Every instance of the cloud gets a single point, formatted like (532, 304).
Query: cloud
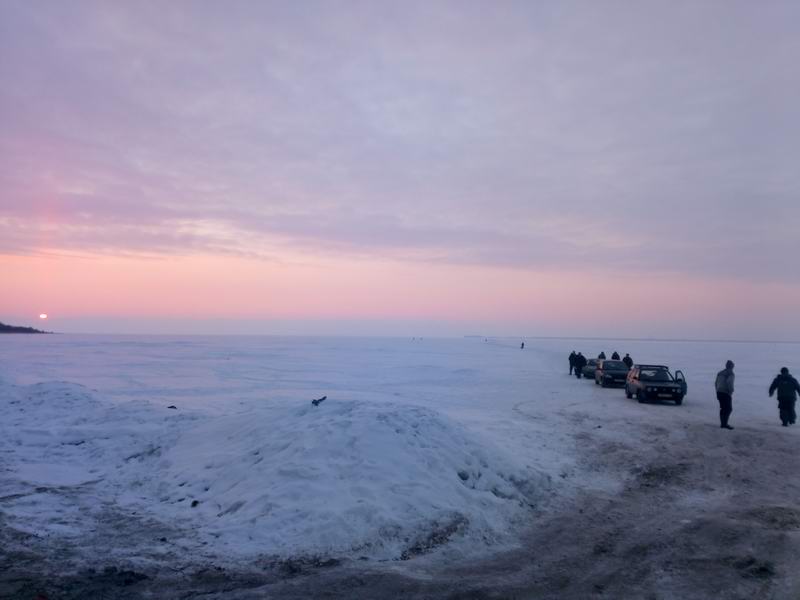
(559, 135)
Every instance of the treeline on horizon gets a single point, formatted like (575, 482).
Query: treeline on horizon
(16, 329)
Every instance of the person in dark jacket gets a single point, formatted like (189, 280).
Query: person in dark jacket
(580, 362)
(787, 388)
(572, 356)
(628, 361)
(724, 386)
(615, 356)
(601, 356)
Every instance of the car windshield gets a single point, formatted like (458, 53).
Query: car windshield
(614, 365)
(655, 375)
(592, 362)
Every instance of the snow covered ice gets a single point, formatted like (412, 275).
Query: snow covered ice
(448, 449)
(351, 477)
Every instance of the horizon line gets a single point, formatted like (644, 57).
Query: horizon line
(454, 336)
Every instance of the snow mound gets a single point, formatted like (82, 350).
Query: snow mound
(47, 420)
(385, 481)
(59, 434)
(340, 479)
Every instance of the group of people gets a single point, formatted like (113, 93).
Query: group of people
(784, 384)
(577, 361)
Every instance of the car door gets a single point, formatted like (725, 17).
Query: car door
(629, 383)
(681, 379)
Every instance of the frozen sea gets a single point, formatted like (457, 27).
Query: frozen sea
(472, 379)
(448, 448)
(480, 382)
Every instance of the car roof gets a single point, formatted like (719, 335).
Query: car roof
(650, 367)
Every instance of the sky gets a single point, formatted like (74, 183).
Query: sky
(401, 168)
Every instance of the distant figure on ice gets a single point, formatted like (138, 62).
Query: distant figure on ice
(602, 355)
(572, 356)
(580, 362)
(522, 346)
(788, 388)
(724, 387)
(615, 356)
(628, 361)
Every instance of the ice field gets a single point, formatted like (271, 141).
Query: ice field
(445, 448)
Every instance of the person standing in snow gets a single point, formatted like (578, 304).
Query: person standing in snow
(724, 387)
(615, 356)
(572, 356)
(628, 361)
(522, 346)
(580, 362)
(601, 356)
(787, 388)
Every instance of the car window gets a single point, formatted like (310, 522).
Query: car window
(592, 362)
(614, 364)
(655, 375)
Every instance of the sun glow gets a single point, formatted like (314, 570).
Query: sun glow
(43, 316)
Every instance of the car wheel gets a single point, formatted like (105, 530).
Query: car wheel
(640, 396)
(678, 401)
(604, 383)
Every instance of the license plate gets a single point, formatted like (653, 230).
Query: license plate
(665, 395)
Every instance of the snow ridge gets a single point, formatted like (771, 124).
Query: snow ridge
(345, 478)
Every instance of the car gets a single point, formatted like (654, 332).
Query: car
(588, 370)
(610, 372)
(655, 382)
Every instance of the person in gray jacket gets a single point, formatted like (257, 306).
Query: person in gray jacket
(724, 387)
(788, 388)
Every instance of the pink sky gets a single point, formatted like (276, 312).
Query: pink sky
(443, 168)
(125, 294)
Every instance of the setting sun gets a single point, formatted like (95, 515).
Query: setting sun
(43, 316)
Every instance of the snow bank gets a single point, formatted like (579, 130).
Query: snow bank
(343, 478)
(64, 454)
(60, 433)
(55, 432)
